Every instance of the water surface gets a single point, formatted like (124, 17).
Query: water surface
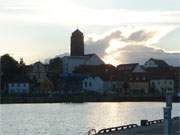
(75, 119)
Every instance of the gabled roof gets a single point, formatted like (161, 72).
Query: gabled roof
(158, 73)
(160, 63)
(127, 67)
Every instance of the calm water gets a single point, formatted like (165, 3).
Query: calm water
(75, 119)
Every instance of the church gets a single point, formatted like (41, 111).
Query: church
(77, 56)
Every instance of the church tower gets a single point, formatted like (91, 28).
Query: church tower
(77, 43)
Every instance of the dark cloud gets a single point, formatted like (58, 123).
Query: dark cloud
(140, 54)
(131, 53)
(141, 35)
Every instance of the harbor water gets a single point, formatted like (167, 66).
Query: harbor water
(75, 119)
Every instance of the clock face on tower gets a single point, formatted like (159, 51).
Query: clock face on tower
(77, 43)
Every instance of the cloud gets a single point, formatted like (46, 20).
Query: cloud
(132, 45)
(141, 36)
(68, 12)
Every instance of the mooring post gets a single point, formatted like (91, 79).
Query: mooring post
(167, 114)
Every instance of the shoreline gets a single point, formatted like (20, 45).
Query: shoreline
(74, 99)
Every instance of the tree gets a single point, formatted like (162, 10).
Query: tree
(9, 65)
(9, 69)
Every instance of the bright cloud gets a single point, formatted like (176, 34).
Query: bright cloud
(67, 12)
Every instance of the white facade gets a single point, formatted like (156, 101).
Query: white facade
(18, 88)
(93, 84)
(72, 62)
(99, 85)
(162, 85)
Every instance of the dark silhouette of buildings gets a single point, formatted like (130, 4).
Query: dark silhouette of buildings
(77, 43)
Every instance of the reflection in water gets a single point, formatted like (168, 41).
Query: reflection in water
(76, 119)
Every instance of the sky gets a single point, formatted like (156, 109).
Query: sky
(119, 31)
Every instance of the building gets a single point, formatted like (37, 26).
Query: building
(19, 86)
(71, 83)
(96, 69)
(100, 84)
(155, 63)
(93, 84)
(38, 71)
(133, 79)
(70, 63)
(161, 79)
(77, 43)
(130, 68)
(139, 83)
(177, 79)
(77, 57)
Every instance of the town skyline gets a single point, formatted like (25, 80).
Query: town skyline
(118, 33)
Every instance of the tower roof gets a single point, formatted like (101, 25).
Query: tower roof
(77, 32)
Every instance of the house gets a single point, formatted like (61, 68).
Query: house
(102, 83)
(19, 86)
(38, 71)
(161, 79)
(154, 63)
(177, 79)
(130, 68)
(70, 63)
(133, 79)
(71, 83)
(93, 84)
(138, 83)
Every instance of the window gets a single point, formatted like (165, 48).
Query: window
(114, 86)
(165, 82)
(90, 84)
(170, 82)
(12, 85)
(85, 84)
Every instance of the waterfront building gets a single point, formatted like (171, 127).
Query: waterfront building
(71, 83)
(134, 77)
(130, 68)
(77, 57)
(38, 71)
(19, 86)
(70, 63)
(100, 84)
(161, 79)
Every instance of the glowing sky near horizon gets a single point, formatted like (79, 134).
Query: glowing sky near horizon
(40, 29)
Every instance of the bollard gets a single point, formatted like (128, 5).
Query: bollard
(144, 122)
(167, 113)
(167, 120)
